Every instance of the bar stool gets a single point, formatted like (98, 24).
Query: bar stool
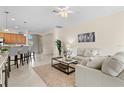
(25, 54)
(13, 57)
(20, 55)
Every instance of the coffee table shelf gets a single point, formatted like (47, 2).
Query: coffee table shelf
(63, 65)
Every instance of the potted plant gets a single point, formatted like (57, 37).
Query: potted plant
(59, 46)
(4, 50)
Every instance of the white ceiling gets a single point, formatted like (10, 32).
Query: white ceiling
(41, 18)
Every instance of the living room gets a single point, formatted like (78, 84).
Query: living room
(61, 46)
(107, 26)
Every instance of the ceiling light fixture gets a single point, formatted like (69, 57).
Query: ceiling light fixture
(63, 11)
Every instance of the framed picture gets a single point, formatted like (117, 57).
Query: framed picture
(86, 37)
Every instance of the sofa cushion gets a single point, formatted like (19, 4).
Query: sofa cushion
(113, 65)
(96, 62)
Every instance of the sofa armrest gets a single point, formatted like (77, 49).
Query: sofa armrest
(83, 75)
(88, 77)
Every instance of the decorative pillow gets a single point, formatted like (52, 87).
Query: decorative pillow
(113, 65)
(120, 53)
(94, 52)
(121, 75)
(90, 52)
(79, 58)
(82, 60)
(96, 62)
(87, 52)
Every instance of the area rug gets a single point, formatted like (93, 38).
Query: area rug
(53, 77)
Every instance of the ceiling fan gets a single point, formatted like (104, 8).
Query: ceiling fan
(62, 11)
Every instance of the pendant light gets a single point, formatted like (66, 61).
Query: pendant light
(6, 24)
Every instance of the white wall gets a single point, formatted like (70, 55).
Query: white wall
(48, 43)
(37, 43)
(109, 32)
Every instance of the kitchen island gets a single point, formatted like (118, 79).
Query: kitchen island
(3, 69)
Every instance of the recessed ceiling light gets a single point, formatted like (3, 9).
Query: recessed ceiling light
(58, 26)
(25, 22)
(13, 19)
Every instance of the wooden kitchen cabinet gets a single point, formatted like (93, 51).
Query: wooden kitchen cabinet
(7, 38)
(21, 39)
(18, 39)
(10, 38)
(1, 34)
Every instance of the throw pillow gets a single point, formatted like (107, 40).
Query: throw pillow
(96, 62)
(120, 53)
(113, 66)
(82, 60)
(90, 52)
(121, 75)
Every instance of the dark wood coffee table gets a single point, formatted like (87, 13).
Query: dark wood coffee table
(66, 66)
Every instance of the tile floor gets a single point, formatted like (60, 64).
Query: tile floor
(25, 76)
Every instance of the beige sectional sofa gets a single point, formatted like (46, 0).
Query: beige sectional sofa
(94, 70)
(89, 77)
